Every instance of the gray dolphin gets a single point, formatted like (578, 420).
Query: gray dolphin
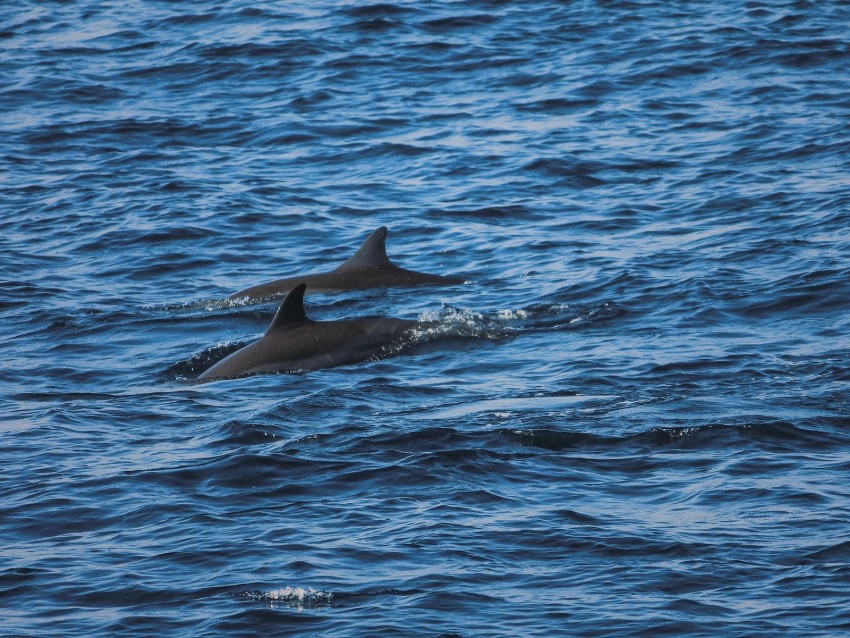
(369, 267)
(294, 343)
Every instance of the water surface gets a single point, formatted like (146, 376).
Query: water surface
(640, 425)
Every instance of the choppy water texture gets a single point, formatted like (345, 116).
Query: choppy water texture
(640, 424)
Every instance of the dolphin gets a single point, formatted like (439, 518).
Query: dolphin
(369, 267)
(293, 342)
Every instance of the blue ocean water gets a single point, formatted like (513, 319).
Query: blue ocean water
(641, 426)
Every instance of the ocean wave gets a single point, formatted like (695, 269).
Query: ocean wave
(295, 597)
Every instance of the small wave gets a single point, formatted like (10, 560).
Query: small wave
(507, 322)
(838, 554)
(771, 436)
(510, 406)
(377, 10)
(209, 305)
(297, 597)
(506, 212)
(441, 25)
(450, 321)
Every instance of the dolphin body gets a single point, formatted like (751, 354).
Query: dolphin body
(369, 267)
(295, 343)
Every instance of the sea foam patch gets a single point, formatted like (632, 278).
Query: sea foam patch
(297, 597)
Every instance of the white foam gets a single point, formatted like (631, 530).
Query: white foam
(297, 597)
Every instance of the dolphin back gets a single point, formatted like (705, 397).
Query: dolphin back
(369, 267)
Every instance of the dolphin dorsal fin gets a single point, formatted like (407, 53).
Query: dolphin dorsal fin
(372, 254)
(291, 311)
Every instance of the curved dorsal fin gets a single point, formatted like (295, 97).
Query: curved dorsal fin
(372, 254)
(291, 311)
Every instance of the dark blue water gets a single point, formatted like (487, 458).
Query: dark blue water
(640, 425)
